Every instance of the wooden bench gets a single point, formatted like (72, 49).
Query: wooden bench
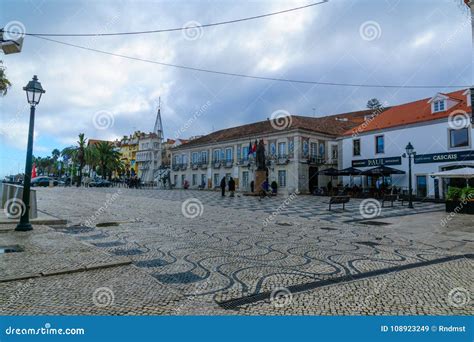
(339, 200)
(403, 198)
(389, 198)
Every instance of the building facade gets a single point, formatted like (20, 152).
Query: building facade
(294, 153)
(148, 156)
(440, 130)
(128, 151)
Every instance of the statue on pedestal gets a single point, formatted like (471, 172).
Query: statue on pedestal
(260, 160)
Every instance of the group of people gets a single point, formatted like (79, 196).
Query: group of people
(230, 185)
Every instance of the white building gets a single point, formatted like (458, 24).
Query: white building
(295, 153)
(440, 130)
(148, 157)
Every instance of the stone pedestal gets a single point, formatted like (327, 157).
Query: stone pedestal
(260, 177)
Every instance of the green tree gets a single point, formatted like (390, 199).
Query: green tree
(109, 158)
(77, 154)
(374, 104)
(4, 82)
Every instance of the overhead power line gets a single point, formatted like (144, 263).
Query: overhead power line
(171, 29)
(252, 76)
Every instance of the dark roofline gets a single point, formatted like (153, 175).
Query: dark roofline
(203, 140)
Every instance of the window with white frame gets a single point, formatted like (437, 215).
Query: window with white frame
(281, 178)
(459, 137)
(356, 147)
(204, 157)
(216, 156)
(282, 150)
(228, 154)
(245, 153)
(217, 181)
(379, 144)
(195, 157)
(334, 152)
(439, 106)
(184, 158)
(314, 150)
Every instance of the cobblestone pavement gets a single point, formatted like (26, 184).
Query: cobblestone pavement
(205, 254)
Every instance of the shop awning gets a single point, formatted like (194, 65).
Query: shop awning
(350, 171)
(465, 172)
(329, 172)
(383, 170)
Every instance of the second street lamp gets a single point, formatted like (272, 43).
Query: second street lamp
(34, 90)
(410, 153)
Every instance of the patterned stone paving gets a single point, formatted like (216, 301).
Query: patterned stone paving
(227, 253)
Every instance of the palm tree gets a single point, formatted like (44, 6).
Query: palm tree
(77, 154)
(107, 156)
(4, 82)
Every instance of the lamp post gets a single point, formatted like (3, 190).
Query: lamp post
(410, 153)
(34, 90)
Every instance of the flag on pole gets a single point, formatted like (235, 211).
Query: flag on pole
(250, 149)
(254, 146)
(33, 171)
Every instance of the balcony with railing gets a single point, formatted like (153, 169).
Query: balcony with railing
(216, 164)
(282, 159)
(228, 163)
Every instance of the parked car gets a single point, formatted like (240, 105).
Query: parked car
(100, 183)
(43, 181)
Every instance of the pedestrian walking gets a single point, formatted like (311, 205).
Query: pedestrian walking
(231, 186)
(223, 186)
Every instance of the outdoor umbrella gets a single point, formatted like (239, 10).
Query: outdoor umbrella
(383, 170)
(350, 171)
(465, 172)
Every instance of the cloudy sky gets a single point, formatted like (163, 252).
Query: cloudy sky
(414, 42)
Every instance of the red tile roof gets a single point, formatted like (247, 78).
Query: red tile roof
(411, 113)
(333, 125)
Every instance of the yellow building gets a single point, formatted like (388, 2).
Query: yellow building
(128, 151)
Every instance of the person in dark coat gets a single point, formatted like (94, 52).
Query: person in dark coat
(231, 186)
(252, 186)
(223, 186)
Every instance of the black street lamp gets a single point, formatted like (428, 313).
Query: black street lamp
(410, 153)
(34, 90)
